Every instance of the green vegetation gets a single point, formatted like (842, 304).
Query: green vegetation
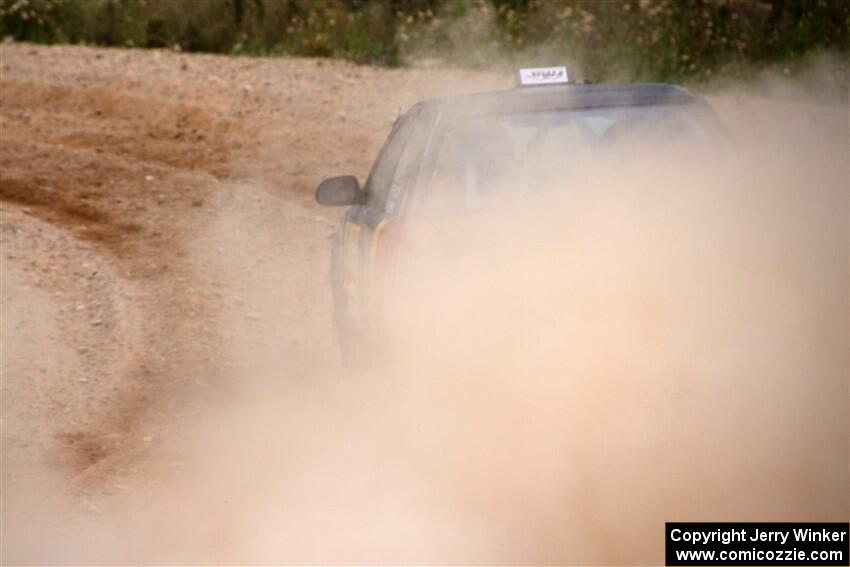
(607, 39)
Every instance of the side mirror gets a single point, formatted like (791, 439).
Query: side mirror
(340, 191)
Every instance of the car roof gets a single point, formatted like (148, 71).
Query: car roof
(560, 97)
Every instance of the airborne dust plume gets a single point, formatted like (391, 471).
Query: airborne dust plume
(665, 339)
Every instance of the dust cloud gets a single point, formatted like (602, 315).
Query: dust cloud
(665, 340)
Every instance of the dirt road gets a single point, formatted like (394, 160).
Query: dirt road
(170, 386)
(156, 204)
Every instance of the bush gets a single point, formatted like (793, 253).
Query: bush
(612, 39)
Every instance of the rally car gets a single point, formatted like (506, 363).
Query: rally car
(469, 143)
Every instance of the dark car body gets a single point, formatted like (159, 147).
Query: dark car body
(369, 239)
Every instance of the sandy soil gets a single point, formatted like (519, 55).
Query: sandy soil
(132, 183)
(162, 255)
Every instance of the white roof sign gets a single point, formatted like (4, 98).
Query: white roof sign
(542, 76)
